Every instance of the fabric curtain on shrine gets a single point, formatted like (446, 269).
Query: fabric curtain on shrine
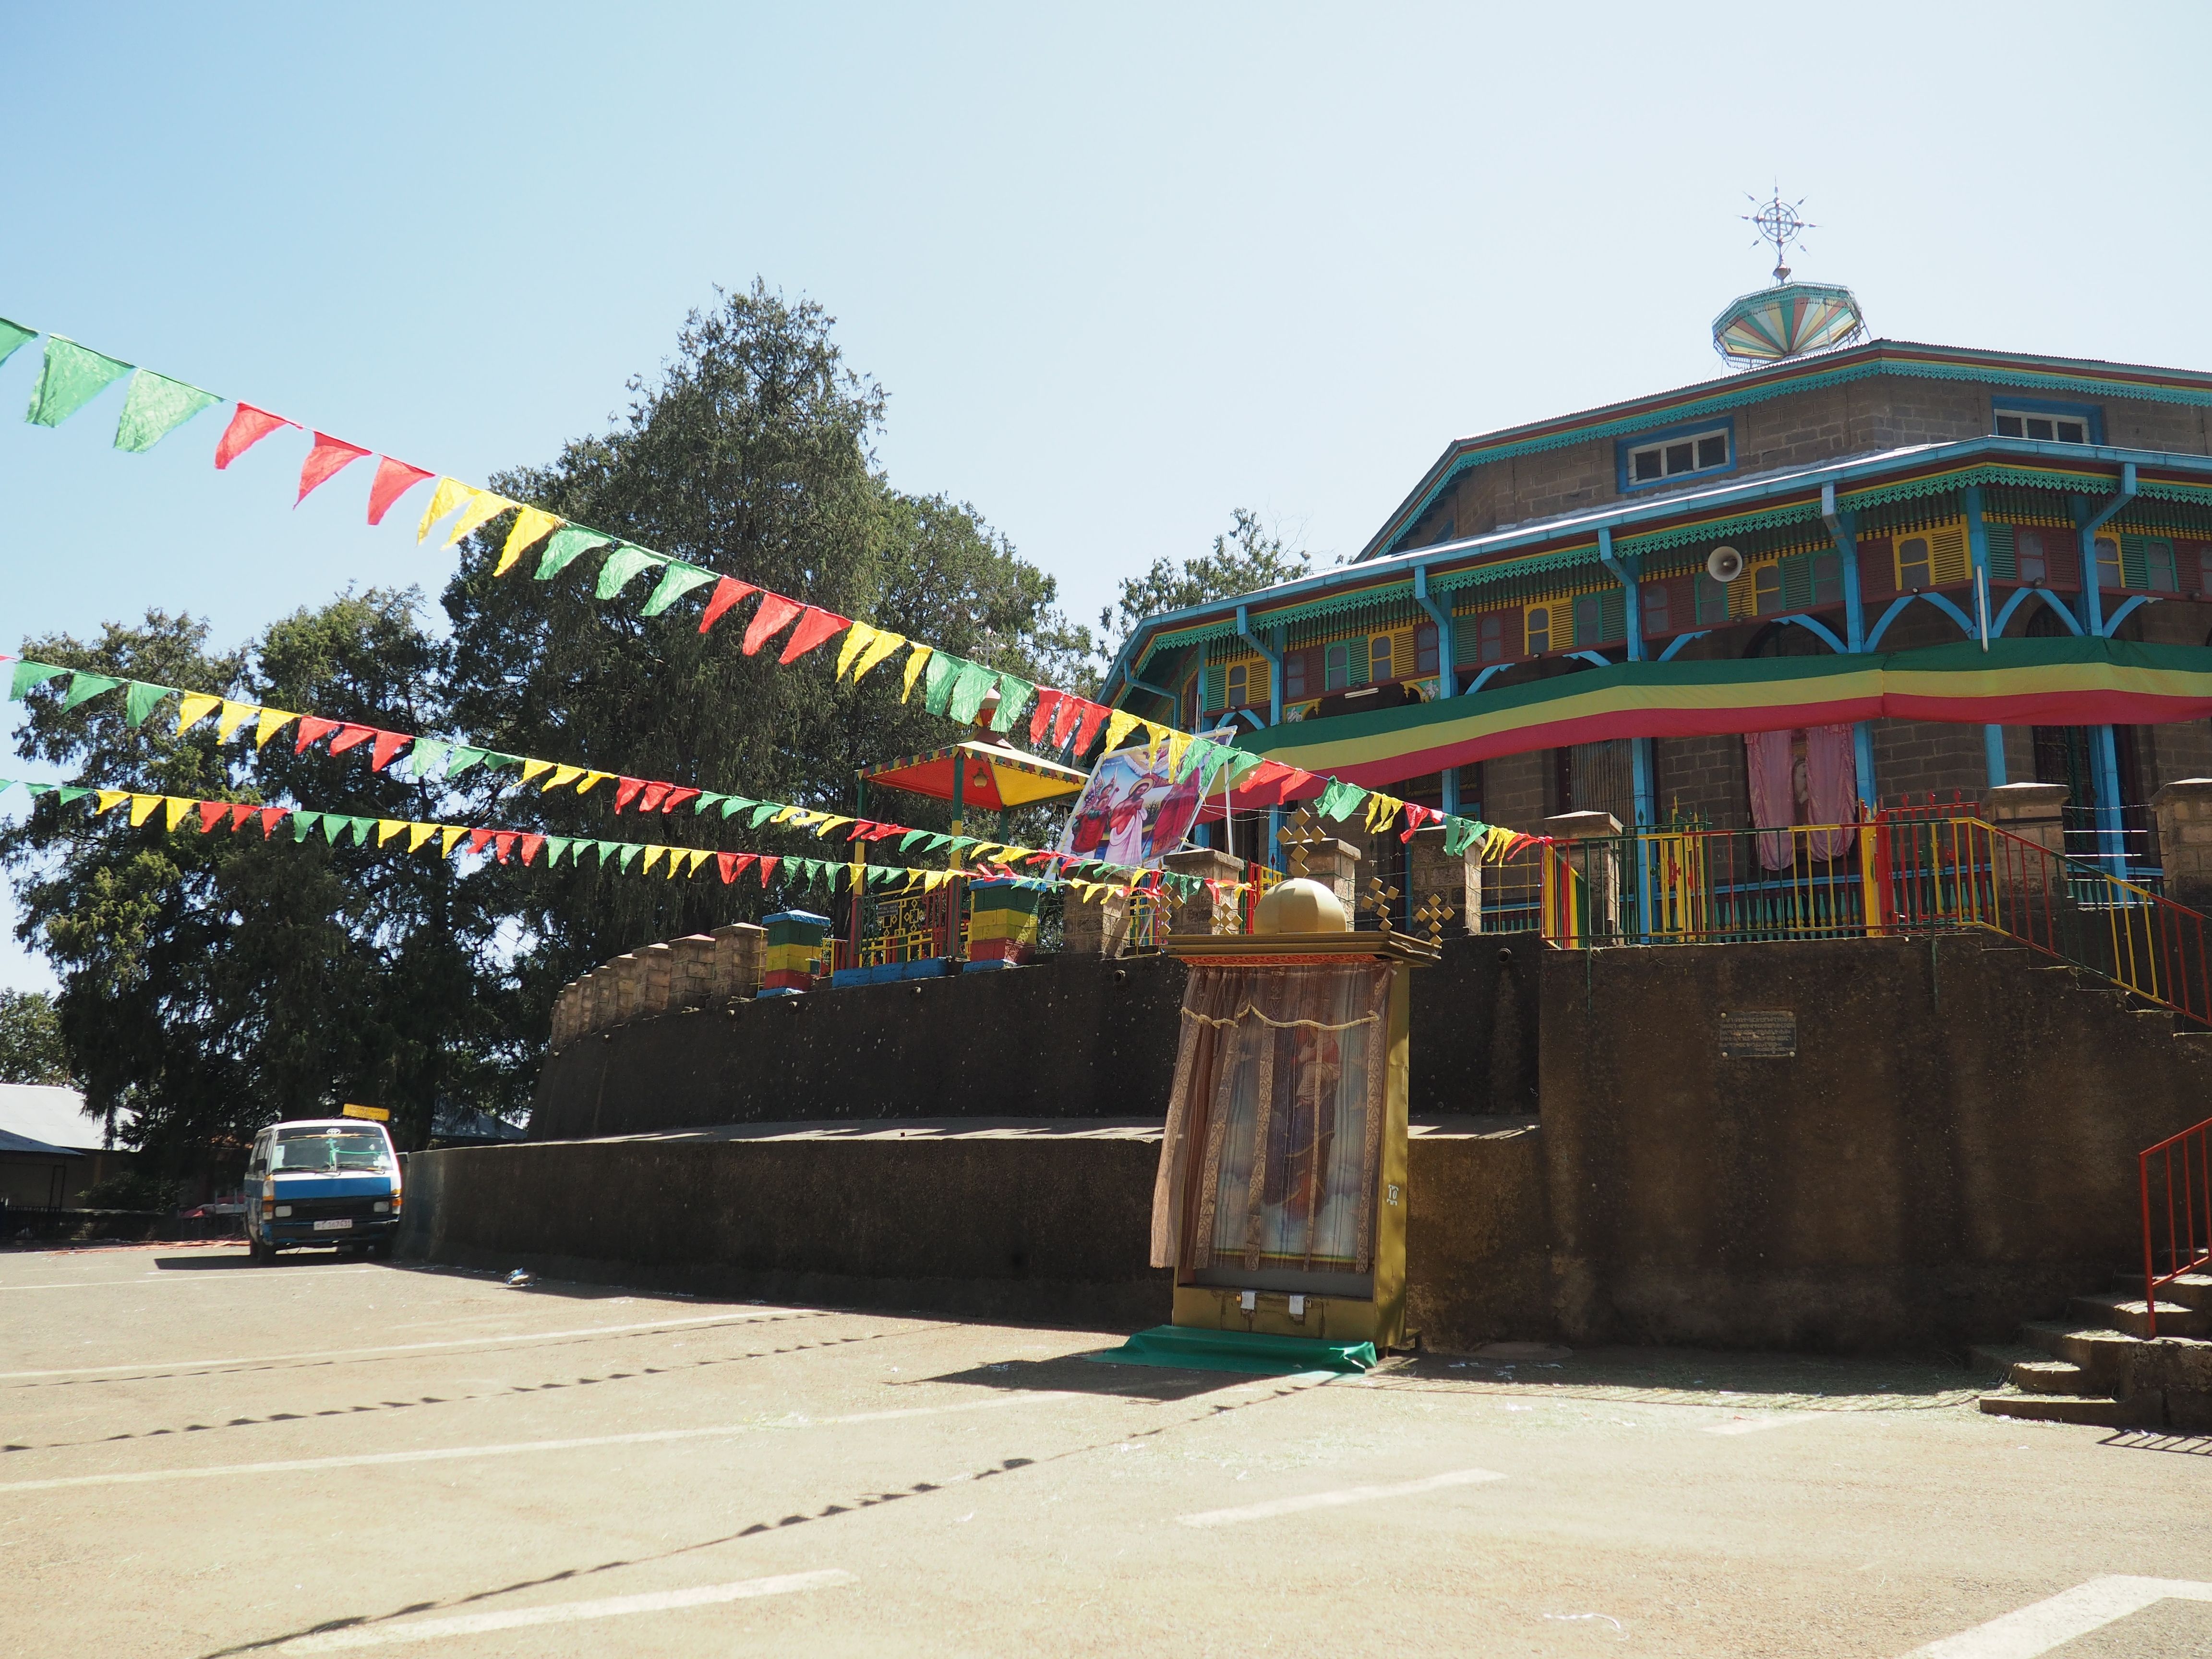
(1768, 765)
(1832, 772)
(1276, 1123)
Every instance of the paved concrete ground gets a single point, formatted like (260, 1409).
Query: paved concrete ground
(207, 1458)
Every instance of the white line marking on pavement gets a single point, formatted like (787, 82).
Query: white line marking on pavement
(446, 1454)
(182, 1278)
(414, 1347)
(2048, 1624)
(1323, 1500)
(560, 1613)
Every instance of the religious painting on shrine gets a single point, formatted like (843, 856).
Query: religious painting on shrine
(1131, 811)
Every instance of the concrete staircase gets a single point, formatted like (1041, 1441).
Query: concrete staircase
(2096, 1364)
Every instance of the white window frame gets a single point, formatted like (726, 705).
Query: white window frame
(1692, 441)
(2029, 419)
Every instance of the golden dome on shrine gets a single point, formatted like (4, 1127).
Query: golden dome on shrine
(1301, 905)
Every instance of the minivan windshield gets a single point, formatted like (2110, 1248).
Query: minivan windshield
(330, 1151)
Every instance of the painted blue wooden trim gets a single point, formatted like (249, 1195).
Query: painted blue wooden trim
(1447, 646)
(2065, 612)
(2093, 596)
(1942, 601)
(1679, 641)
(1258, 725)
(1599, 658)
(1993, 755)
(1862, 764)
(1274, 662)
(1627, 486)
(1815, 625)
(1477, 682)
(2112, 622)
(1842, 532)
(1629, 575)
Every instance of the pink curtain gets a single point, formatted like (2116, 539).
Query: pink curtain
(1832, 774)
(1773, 800)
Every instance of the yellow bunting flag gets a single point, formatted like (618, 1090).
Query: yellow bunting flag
(195, 707)
(1119, 726)
(653, 851)
(233, 715)
(387, 828)
(882, 646)
(142, 808)
(797, 815)
(534, 769)
(532, 526)
(272, 721)
(483, 506)
(591, 778)
(1177, 744)
(700, 858)
(419, 833)
(175, 810)
(921, 654)
(933, 880)
(449, 495)
(110, 799)
(447, 835)
(858, 638)
(830, 823)
(1381, 809)
(563, 777)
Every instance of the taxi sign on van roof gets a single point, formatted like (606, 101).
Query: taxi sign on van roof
(374, 1114)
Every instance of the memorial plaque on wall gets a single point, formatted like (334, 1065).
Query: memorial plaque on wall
(1759, 1033)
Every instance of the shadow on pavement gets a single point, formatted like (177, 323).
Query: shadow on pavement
(1079, 1374)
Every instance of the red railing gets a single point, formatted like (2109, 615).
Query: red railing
(2188, 1192)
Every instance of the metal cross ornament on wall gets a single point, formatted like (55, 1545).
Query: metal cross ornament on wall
(1301, 831)
(1378, 899)
(1433, 915)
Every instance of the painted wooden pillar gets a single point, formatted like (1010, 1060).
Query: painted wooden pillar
(1978, 552)
(1844, 528)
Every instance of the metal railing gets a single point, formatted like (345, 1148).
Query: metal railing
(2187, 1193)
(1904, 870)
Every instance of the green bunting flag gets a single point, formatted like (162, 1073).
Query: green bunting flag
(462, 758)
(68, 794)
(764, 812)
(303, 824)
(334, 828)
(143, 700)
(966, 696)
(1460, 833)
(28, 674)
(494, 760)
(628, 854)
(621, 565)
(85, 685)
(13, 335)
(735, 804)
(1014, 694)
(429, 757)
(156, 407)
(706, 798)
(912, 836)
(568, 542)
(364, 831)
(678, 581)
(71, 378)
(1340, 799)
(937, 675)
(555, 848)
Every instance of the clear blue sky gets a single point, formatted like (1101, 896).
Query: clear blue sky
(1119, 271)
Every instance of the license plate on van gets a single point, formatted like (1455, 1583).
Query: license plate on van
(332, 1226)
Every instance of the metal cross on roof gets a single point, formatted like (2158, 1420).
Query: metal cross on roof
(1779, 222)
(1433, 915)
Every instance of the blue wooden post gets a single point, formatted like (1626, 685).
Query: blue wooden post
(1978, 549)
(1843, 530)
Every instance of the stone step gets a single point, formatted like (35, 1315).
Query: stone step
(2190, 1290)
(2101, 1351)
(2101, 1411)
(2132, 1314)
(2030, 1370)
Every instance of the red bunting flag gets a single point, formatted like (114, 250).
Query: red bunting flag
(768, 863)
(312, 727)
(270, 818)
(530, 846)
(239, 814)
(814, 627)
(626, 791)
(248, 427)
(774, 611)
(733, 863)
(655, 794)
(1041, 717)
(726, 594)
(677, 797)
(212, 813)
(350, 736)
(1094, 715)
(393, 480)
(1064, 723)
(329, 457)
(388, 744)
(882, 830)
(478, 840)
(1415, 817)
(503, 843)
